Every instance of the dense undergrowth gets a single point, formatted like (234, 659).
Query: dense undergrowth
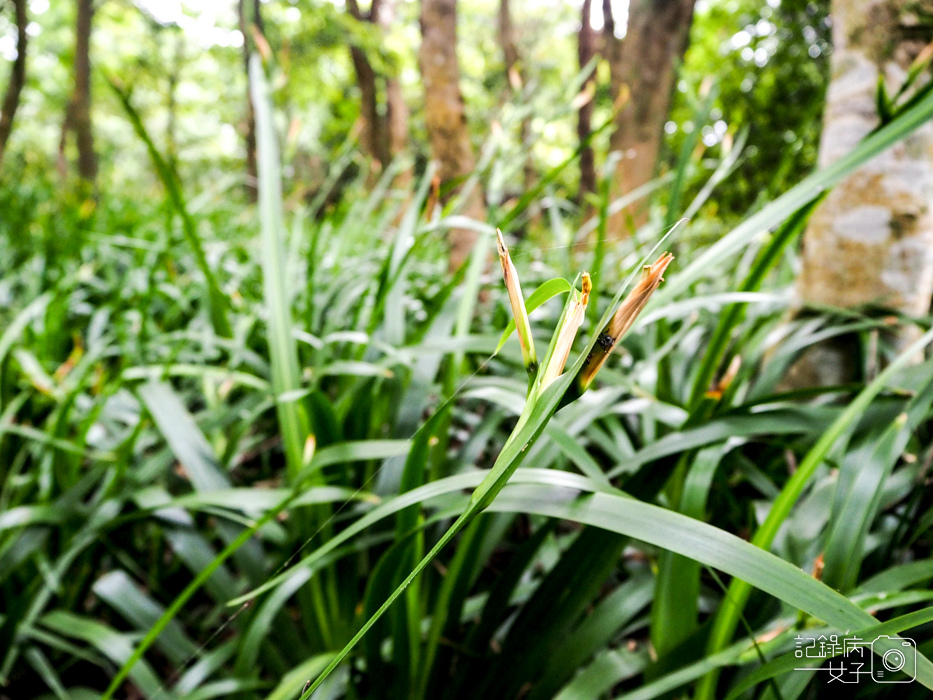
(201, 402)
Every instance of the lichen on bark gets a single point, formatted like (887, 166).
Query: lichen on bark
(870, 243)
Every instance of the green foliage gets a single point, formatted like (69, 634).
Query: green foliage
(769, 62)
(197, 507)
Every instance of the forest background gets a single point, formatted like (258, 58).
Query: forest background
(256, 354)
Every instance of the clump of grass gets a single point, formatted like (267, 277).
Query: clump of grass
(145, 483)
(540, 404)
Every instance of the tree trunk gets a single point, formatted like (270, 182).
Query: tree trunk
(586, 50)
(509, 47)
(246, 23)
(384, 132)
(445, 114)
(513, 73)
(645, 61)
(871, 240)
(396, 118)
(17, 76)
(78, 116)
(373, 136)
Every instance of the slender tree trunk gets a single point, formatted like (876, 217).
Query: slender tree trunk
(384, 131)
(396, 118)
(78, 115)
(646, 62)
(17, 76)
(509, 46)
(445, 113)
(513, 72)
(871, 240)
(586, 50)
(373, 135)
(247, 21)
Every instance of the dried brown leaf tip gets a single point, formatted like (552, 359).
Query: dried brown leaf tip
(623, 318)
(725, 381)
(517, 302)
(567, 332)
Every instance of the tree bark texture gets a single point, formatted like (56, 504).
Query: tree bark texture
(645, 62)
(870, 242)
(445, 113)
(17, 76)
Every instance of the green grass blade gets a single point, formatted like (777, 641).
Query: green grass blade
(218, 302)
(112, 644)
(535, 416)
(842, 556)
(789, 661)
(732, 316)
(548, 290)
(552, 494)
(684, 161)
(354, 451)
(172, 610)
(733, 604)
(119, 591)
(286, 377)
(703, 543)
(675, 609)
(185, 439)
(594, 633)
(708, 262)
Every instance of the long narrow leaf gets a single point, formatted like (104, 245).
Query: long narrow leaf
(286, 376)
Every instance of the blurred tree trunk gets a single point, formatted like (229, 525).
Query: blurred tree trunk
(78, 114)
(513, 73)
(445, 114)
(871, 241)
(249, 20)
(509, 46)
(385, 132)
(396, 108)
(646, 62)
(373, 136)
(586, 50)
(17, 76)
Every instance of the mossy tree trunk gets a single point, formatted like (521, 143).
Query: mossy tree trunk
(870, 243)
